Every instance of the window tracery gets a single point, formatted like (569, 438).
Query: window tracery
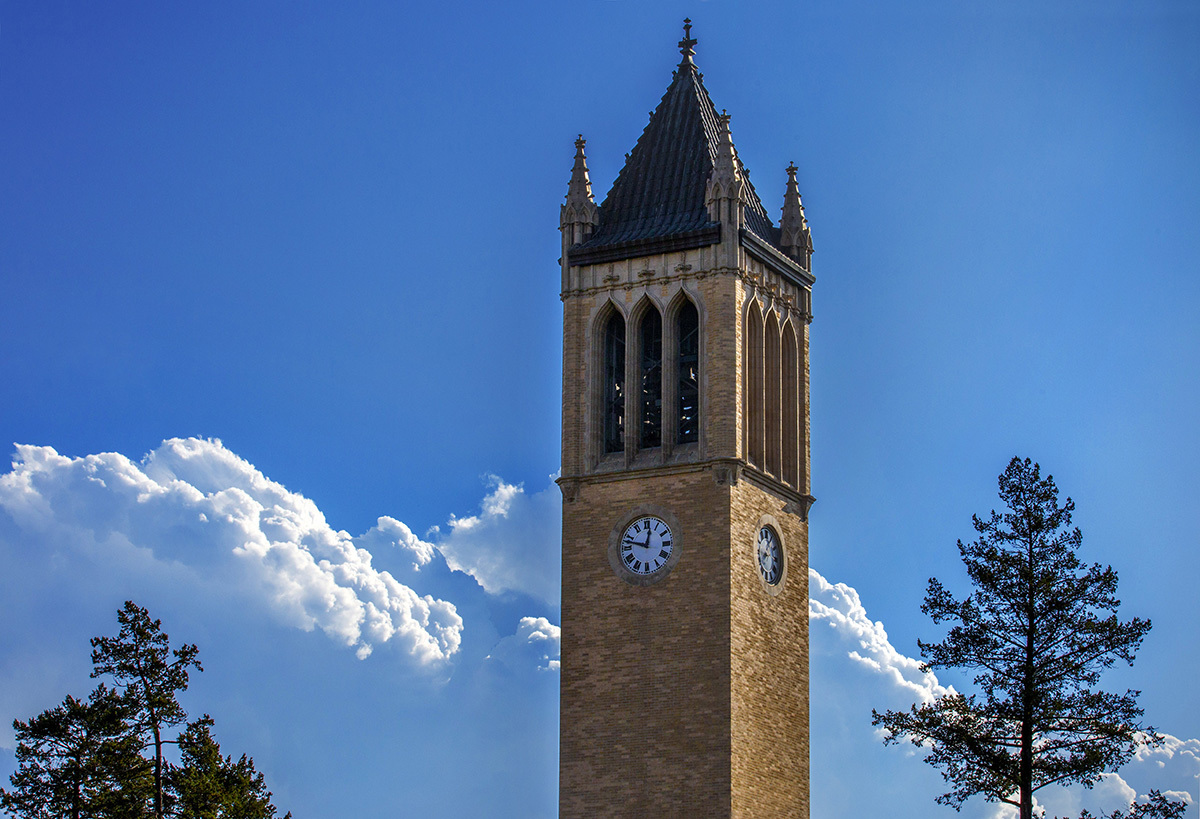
(650, 371)
(687, 333)
(791, 408)
(772, 397)
(754, 386)
(613, 392)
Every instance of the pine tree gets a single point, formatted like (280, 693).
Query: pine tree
(207, 785)
(86, 759)
(1156, 806)
(79, 759)
(150, 675)
(1037, 632)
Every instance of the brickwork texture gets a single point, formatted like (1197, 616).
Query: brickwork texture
(687, 697)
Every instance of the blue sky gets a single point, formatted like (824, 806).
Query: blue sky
(279, 292)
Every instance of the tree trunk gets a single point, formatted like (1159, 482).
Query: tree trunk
(158, 807)
(1027, 693)
(1026, 768)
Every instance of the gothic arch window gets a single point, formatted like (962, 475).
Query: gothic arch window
(753, 400)
(791, 407)
(687, 335)
(802, 385)
(773, 416)
(612, 392)
(650, 372)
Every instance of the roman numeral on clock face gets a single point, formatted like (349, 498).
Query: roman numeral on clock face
(646, 545)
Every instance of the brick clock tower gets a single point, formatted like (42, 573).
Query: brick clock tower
(685, 480)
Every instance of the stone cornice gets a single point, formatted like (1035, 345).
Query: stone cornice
(725, 471)
(650, 276)
(645, 277)
(621, 251)
(755, 282)
(776, 261)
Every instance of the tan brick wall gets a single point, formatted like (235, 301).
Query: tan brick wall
(574, 409)
(645, 697)
(722, 364)
(769, 665)
(689, 697)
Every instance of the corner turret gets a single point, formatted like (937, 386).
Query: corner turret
(579, 214)
(725, 194)
(795, 238)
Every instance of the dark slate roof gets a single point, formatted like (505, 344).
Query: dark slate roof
(660, 191)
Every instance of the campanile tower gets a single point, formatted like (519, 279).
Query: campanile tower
(685, 480)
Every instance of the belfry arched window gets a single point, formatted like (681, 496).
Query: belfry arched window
(772, 396)
(754, 385)
(650, 374)
(791, 407)
(613, 391)
(687, 332)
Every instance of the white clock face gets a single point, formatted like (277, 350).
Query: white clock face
(770, 556)
(646, 545)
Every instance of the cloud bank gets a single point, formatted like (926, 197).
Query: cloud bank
(192, 504)
(513, 544)
(839, 607)
(195, 510)
(535, 644)
(1172, 766)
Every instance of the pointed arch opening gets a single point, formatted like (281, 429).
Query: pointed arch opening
(650, 344)
(753, 398)
(612, 371)
(773, 398)
(687, 331)
(791, 407)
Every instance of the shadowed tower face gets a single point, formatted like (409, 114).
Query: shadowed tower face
(685, 479)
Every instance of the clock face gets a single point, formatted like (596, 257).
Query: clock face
(646, 545)
(770, 556)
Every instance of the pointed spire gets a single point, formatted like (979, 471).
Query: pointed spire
(580, 188)
(579, 214)
(687, 46)
(726, 184)
(663, 190)
(795, 237)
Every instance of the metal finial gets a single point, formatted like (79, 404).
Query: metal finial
(686, 45)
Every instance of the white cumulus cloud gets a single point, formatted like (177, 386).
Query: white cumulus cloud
(1170, 766)
(513, 544)
(839, 607)
(535, 644)
(192, 504)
